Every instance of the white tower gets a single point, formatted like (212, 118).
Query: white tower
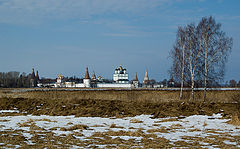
(86, 80)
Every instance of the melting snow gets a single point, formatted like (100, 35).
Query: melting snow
(9, 111)
(97, 124)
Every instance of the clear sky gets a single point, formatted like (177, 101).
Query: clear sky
(65, 36)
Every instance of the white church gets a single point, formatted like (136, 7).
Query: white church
(120, 78)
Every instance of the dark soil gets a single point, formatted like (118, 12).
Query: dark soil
(118, 108)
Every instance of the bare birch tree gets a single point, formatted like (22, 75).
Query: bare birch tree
(179, 57)
(182, 42)
(193, 53)
(217, 46)
(200, 53)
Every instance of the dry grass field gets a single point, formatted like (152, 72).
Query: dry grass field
(118, 119)
(119, 102)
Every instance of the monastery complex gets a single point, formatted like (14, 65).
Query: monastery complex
(120, 80)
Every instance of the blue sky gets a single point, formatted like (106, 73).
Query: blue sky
(65, 36)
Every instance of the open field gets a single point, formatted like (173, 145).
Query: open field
(119, 102)
(197, 131)
(118, 118)
(159, 95)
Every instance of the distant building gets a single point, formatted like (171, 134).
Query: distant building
(60, 81)
(87, 80)
(100, 79)
(93, 78)
(146, 82)
(135, 82)
(37, 77)
(34, 79)
(146, 78)
(120, 75)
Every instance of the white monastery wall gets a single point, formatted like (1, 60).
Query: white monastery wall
(80, 85)
(113, 85)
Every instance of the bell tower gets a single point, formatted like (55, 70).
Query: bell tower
(146, 78)
(87, 80)
(135, 81)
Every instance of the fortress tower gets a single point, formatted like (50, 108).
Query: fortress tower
(93, 78)
(86, 80)
(37, 77)
(33, 82)
(135, 81)
(146, 78)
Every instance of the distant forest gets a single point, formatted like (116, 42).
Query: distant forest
(14, 79)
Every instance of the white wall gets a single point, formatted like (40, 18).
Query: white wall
(113, 85)
(80, 85)
(70, 84)
(107, 85)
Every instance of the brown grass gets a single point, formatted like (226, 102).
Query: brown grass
(124, 133)
(75, 127)
(235, 120)
(117, 103)
(25, 124)
(111, 94)
(115, 126)
(176, 126)
(4, 120)
(161, 130)
(54, 128)
(193, 130)
(33, 126)
(135, 121)
(98, 126)
(44, 119)
(204, 124)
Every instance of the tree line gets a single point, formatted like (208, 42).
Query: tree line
(199, 55)
(14, 79)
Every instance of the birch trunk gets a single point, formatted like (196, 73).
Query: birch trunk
(205, 71)
(183, 67)
(192, 74)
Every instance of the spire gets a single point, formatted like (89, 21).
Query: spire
(37, 76)
(136, 78)
(146, 79)
(33, 74)
(93, 76)
(87, 74)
